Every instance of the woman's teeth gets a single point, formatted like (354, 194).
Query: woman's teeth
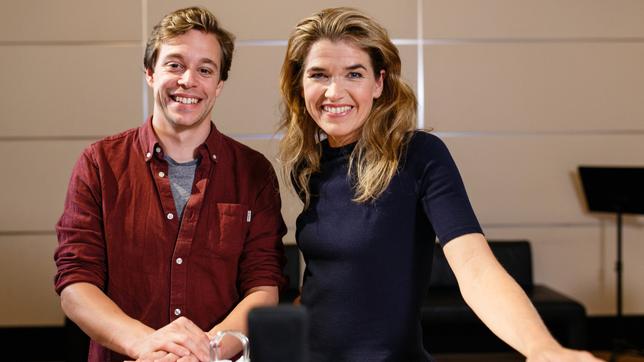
(331, 109)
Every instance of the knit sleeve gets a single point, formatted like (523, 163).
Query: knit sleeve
(443, 194)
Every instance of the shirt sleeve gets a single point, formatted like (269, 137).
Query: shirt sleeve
(80, 255)
(262, 259)
(444, 198)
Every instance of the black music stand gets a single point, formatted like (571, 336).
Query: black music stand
(617, 190)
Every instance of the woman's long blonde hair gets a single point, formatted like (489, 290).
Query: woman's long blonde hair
(386, 131)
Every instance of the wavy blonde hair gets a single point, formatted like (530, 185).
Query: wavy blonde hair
(386, 131)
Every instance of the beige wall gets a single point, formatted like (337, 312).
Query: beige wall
(521, 91)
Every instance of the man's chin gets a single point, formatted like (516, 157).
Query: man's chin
(184, 123)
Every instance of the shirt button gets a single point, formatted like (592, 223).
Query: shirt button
(147, 155)
(161, 174)
(177, 312)
(214, 157)
(170, 216)
(179, 261)
(158, 149)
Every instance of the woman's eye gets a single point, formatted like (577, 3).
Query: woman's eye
(317, 76)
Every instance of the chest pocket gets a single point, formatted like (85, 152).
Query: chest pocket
(232, 228)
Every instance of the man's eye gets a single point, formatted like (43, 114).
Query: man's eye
(355, 75)
(206, 71)
(173, 66)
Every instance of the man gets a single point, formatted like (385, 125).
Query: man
(171, 231)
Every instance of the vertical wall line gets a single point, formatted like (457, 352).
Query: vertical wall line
(420, 58)
(144, 36)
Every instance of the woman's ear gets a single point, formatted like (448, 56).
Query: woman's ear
(380, 83)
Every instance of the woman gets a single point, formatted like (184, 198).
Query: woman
(376, 195)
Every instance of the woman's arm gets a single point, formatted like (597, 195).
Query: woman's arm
(501, 303)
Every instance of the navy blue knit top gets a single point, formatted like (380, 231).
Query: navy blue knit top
(368, 265)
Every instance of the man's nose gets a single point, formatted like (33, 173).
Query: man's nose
(187, 79)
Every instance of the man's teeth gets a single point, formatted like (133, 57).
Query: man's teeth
(186, 100)
(336, 109)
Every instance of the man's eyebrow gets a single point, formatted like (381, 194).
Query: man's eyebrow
(173, 56)
(201, 61)
(209, 61)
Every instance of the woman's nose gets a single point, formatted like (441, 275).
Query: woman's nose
(334, 90)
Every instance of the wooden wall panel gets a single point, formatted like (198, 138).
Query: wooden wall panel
(535, 87)
(28, 296)
(70, 20)
(35, 182)
(64, 90)
(253, 20)
(533, 179)
(249, 102)
(532, 19)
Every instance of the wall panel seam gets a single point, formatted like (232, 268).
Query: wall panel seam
(581, 40)
(55, 43)
(420, 67)
(447, 134)
(26, 232)
(283, 42)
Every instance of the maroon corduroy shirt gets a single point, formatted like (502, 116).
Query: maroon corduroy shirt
(120, 231)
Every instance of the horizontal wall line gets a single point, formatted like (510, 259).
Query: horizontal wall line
(27, 232)
(269, 42)
(455, 134)
(557, 225)
(46, 43)
(446, 134)
(449, 41)
(397, 41)
(255, 136)
(284, 42)
(49, 138)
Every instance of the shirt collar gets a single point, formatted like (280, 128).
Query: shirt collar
(149, 142)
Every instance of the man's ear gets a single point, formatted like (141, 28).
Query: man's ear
(149, 76)
(219, 88)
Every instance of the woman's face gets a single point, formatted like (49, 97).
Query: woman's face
(339, 87)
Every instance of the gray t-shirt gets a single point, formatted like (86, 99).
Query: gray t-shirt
(181, 177)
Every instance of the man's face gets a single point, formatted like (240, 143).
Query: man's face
(185, 81)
